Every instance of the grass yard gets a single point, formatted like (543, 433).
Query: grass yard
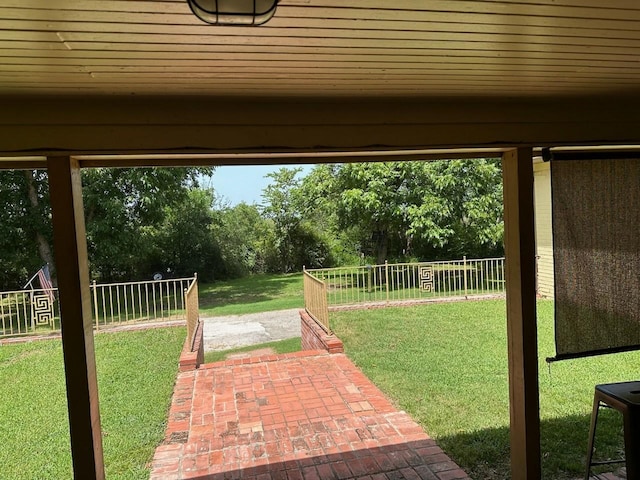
(136, 374)
(256, 293)
(446, 365)
(281, 346)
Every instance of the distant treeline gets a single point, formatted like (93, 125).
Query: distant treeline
(142, 221)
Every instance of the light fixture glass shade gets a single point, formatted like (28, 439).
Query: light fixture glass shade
(233, 12)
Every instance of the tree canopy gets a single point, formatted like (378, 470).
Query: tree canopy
(424, 210)
(124, 210)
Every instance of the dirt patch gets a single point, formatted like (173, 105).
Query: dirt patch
(253, 353)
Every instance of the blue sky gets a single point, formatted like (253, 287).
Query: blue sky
(245, 183)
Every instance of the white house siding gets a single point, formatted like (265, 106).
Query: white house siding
(544, 232)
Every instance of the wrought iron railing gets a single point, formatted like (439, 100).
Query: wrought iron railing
(29, 311)
(404, 282)
(117, 303)
(37, 311)
(315, 300)
(192, 309)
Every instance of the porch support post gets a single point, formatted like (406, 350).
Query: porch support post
(70, 248)
(519, 240)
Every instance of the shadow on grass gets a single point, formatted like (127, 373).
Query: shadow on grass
(484, 454)
(253, 289)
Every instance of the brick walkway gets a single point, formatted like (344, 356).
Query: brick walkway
(307, 415)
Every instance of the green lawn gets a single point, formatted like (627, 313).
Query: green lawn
(446, 365)
(282, 346)
(136, 374)
(256, 293)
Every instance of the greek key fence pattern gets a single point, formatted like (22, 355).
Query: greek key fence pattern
(403, 282)
(25, 312)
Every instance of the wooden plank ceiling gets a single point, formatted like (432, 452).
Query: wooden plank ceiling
(323, 48)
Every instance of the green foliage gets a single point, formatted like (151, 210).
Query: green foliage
(24, 224)
(304, 246)
(183, 242)
(446, 365)
(281, 209)
(243, 237)
(396, 210)
(296, 242)
(124, 210)
(461, 212)
(136, 373)
(138, 221)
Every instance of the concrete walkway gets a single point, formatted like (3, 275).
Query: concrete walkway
(233, 331)
(305, 415)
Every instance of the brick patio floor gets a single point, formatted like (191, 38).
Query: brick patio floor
(306, 415)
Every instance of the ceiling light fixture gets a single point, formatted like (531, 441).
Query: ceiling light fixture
(233, 12)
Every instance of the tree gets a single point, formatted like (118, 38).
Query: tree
(280, 207)
(121, 207)
(318, 200)
(243, 237)
(183, 241)
(462, 208)
(296, 243)
(368, 200)
(377, 196)
(424, 209)
(26, 226)
(144, 220)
